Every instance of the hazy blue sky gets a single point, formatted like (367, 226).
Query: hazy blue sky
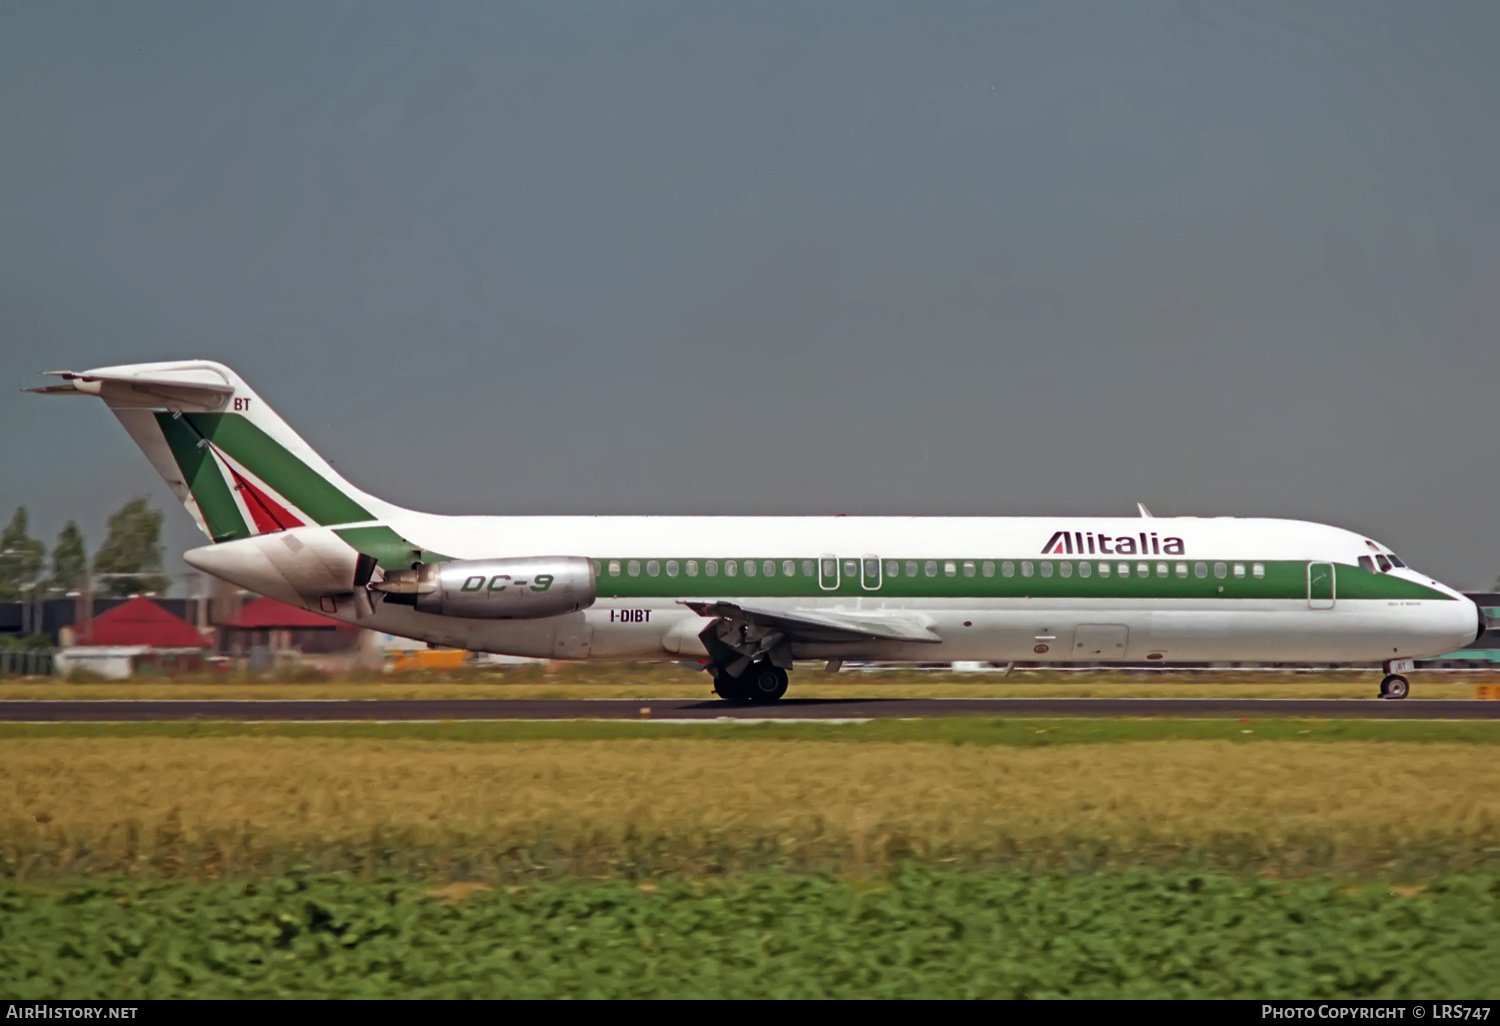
(866, 257)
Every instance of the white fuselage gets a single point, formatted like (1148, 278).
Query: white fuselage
(1222, 589)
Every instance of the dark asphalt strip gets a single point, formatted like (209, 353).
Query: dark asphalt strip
(356, 710)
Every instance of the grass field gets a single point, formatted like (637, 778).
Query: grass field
(648, 680)
(942, 857)
(230, 805)
(912, 933)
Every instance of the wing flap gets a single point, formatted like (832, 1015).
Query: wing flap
(827, 625)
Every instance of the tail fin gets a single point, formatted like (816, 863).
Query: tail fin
(236, 465)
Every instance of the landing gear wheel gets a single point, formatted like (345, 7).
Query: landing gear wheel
(731, 689)
(765, 683)
(1395, 686)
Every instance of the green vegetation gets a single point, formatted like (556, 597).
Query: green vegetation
(21, 559)
(129, 561)
(911, 933)
(70, 561)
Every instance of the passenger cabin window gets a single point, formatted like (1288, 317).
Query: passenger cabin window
(1200, 569)
(1007, 569)
(692, 568)
(1124, 569)
(788, 568)
(1026, 568)
(911, 568)
(968, 568)
(851, 568)
(769, 567)
(892, 568)
(711, 568)
(807, 568)
(1085, 569)
(1046, 568)
(614, 568)
(930, 568)
(1258, 570)
(1066, 569)
(1220, 570)
(872, 570)
(671, 568)
(749, 568)
(1385, 564)
(1366, 563)
(1181, 569)
(987, 568)
(652, 567)
(1161, 569)
(950, 569)
(633, 568)
(731, 568)
(1239, 569)
(1104, 569)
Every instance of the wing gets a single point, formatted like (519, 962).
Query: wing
(740, 634)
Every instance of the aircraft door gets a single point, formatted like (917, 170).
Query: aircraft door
(828, 572)
(1100, 642)
(1320, 586)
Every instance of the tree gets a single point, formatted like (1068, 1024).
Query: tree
(70, 560)
(21, 559)
(132, 548)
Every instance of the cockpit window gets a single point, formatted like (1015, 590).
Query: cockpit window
(1396, 560)
(1366, 563)
(1385, 564)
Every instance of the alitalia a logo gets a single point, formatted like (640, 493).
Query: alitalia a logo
(1090, 543)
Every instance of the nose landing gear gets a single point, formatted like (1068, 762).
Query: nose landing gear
(1394, 685)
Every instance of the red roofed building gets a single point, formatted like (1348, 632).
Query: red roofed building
(139, 622)
(133, 636)
(264, 627)
(263, 614)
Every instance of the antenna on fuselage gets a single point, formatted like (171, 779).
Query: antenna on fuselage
(1142, 507)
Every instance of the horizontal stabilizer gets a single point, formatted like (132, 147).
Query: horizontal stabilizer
(148, 386)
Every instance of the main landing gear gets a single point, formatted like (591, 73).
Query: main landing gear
(760, 682)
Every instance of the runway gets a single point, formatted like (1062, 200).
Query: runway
(379, 710)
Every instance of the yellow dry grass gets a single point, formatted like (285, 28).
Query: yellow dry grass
(176, 805)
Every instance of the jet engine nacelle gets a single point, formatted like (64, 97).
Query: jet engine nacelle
(495, 589)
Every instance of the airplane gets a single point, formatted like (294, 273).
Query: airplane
(747, 597)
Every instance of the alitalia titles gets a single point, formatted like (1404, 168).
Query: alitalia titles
(1090, 543)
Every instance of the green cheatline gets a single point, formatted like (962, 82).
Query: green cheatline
(687, 577)
(1020, 732)
(389, 549)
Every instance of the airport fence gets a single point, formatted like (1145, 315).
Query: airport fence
(26, 662)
